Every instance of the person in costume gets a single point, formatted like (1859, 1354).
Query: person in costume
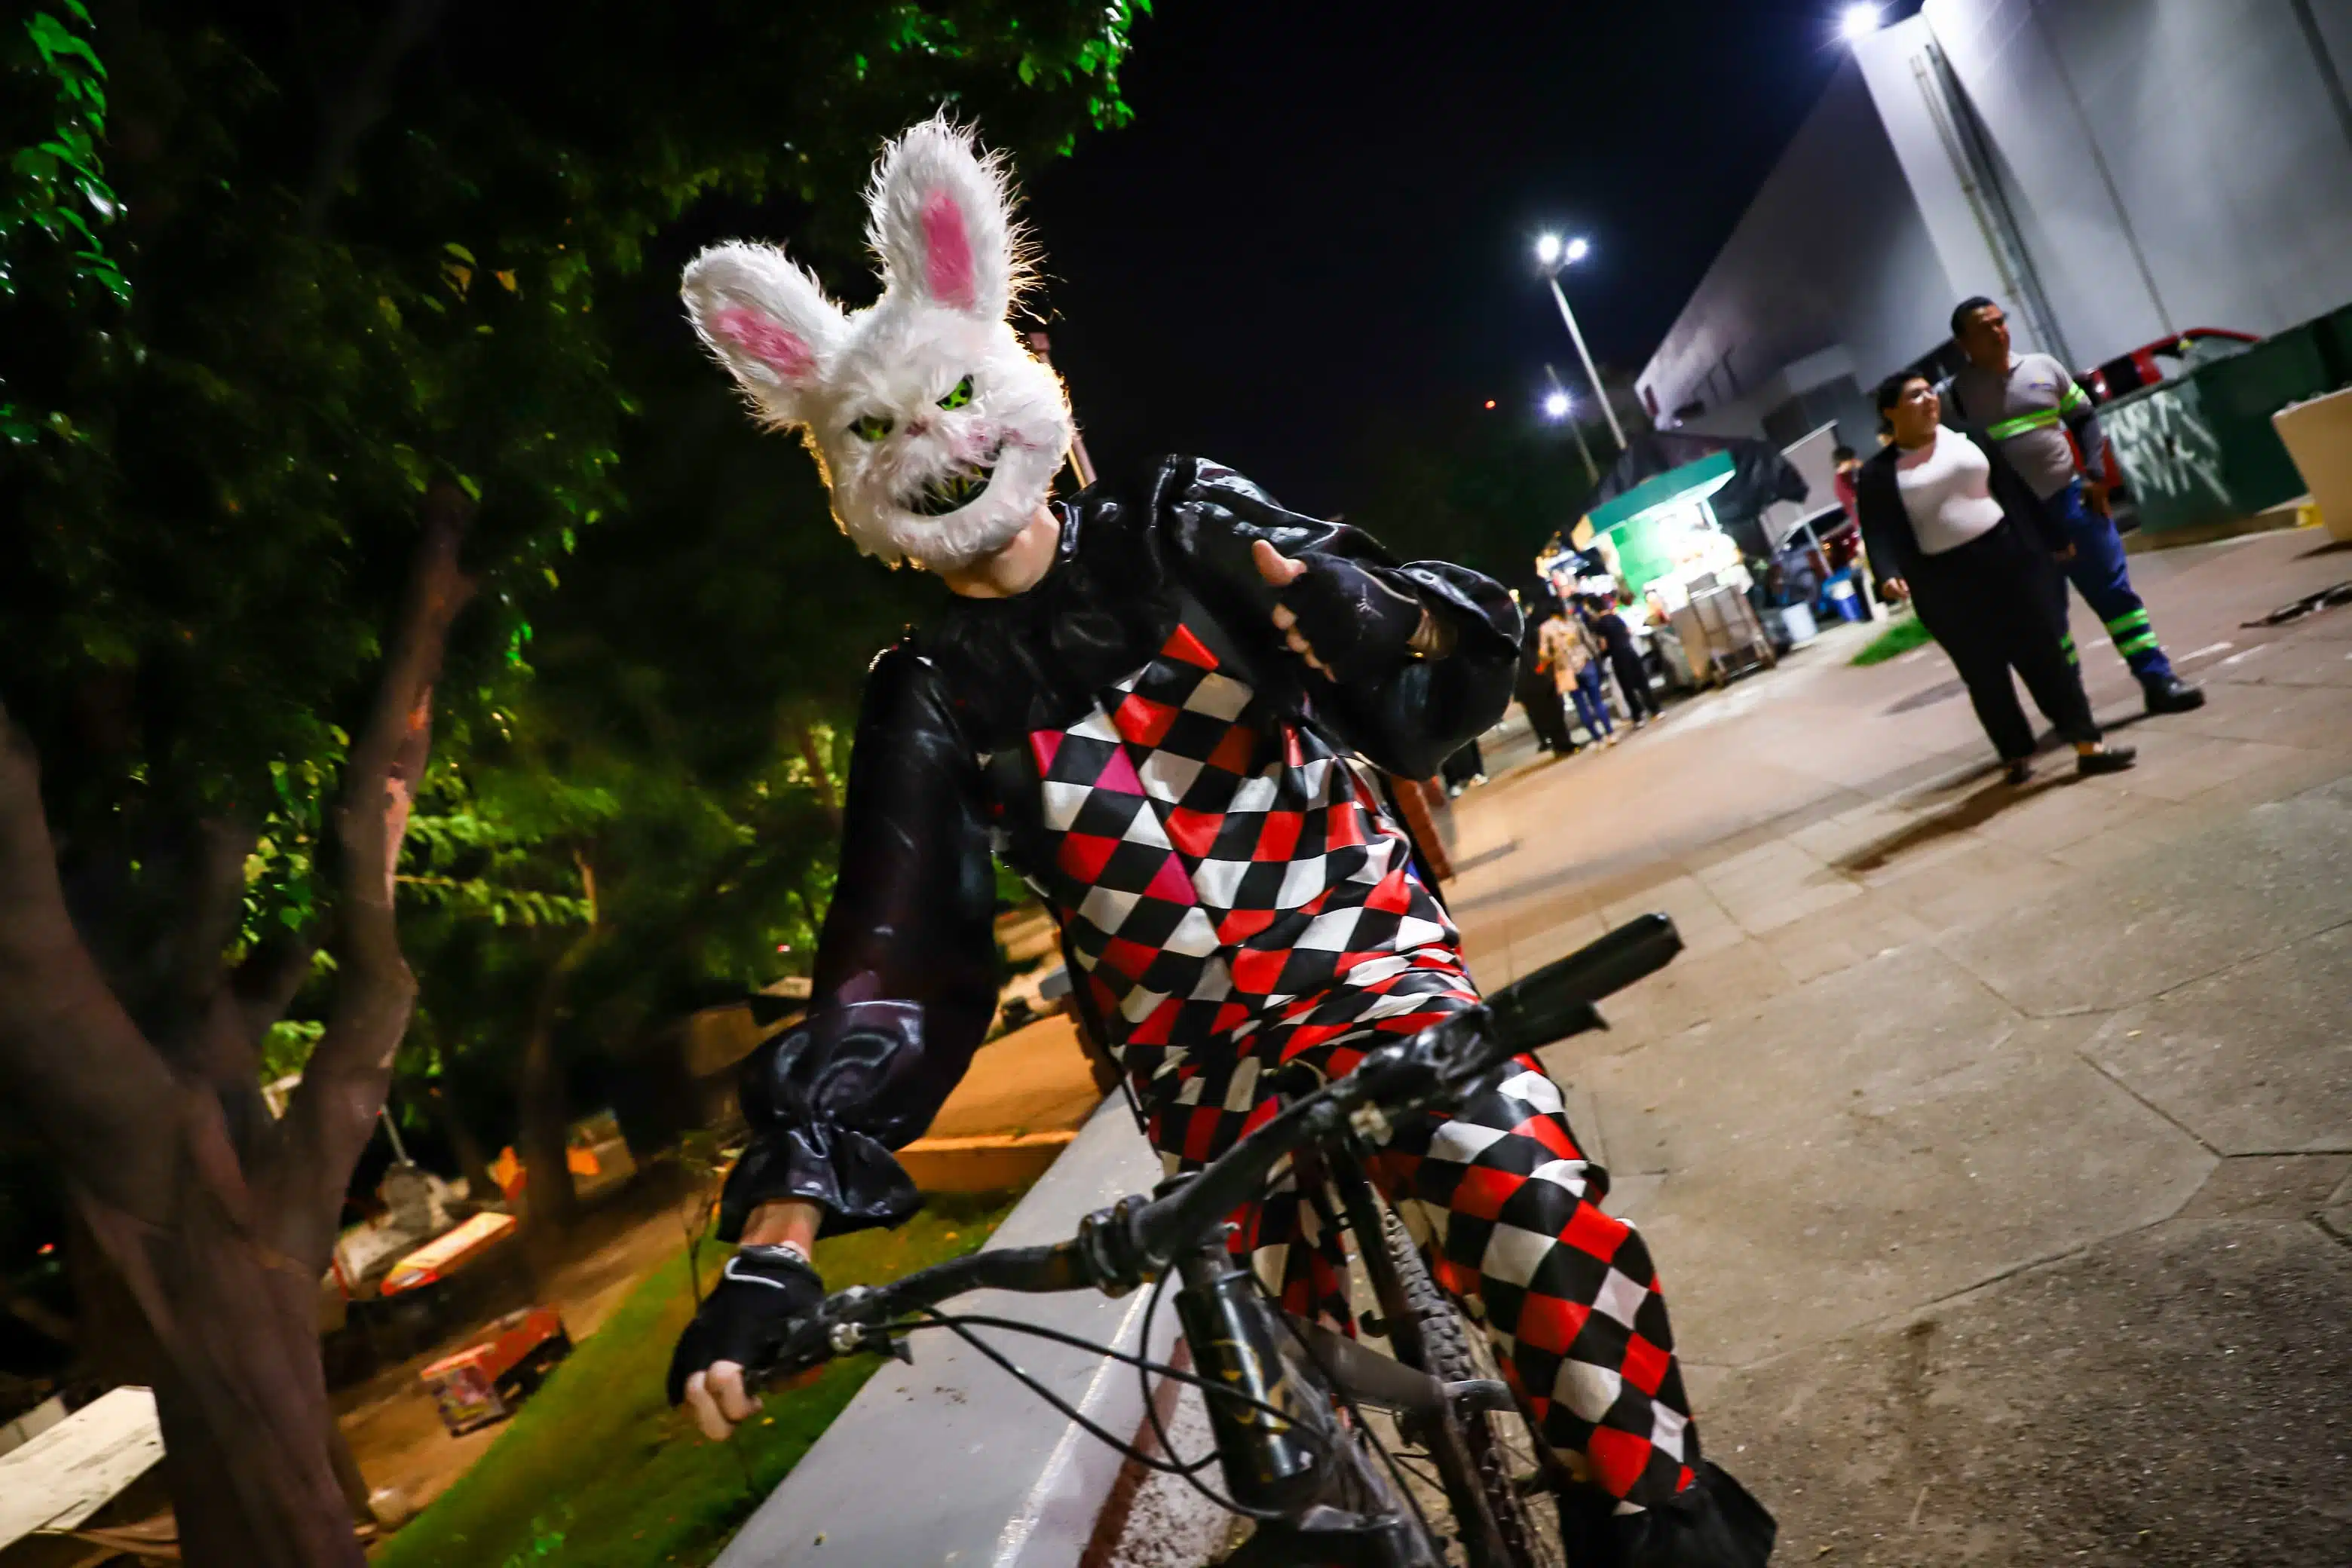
(1156, 702)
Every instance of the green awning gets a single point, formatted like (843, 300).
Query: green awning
(1709, 472)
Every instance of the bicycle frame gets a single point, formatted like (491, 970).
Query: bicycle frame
(1287, 1456)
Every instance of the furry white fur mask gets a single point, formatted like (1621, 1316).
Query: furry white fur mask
(938, 433)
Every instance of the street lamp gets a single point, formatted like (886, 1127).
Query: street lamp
(1858, 23)
(1553, 253)
(1556, 407)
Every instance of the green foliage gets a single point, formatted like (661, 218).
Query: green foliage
(54, 197)
(598, 1470)
(345, 282)
(1908, 632)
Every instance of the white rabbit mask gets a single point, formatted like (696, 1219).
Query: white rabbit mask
(935, 430)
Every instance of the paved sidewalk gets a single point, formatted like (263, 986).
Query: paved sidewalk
(1997, 1145)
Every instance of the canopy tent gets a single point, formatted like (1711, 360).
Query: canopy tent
(1659, 470)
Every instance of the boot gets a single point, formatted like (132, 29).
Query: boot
(2170, 694)
(1712, 1524)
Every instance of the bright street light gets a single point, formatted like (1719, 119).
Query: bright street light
(1858, 23)
(1556, 254)
(1553, 251)
(1555, 406)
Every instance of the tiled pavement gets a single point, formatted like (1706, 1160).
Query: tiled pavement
(1997, 1145)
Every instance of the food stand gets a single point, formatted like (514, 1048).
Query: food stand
(1662, 539)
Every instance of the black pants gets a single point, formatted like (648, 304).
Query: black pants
(1633, 681)
(1988, 602)
(1465, 764)
(1547, 714)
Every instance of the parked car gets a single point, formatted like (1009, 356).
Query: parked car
(2162, 361)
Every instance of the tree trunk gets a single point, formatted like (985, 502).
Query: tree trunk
(820, 775)
(219, 1225)
(241, 1393)
(545, 1119)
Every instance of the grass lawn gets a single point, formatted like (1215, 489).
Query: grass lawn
(1905, 634)
(597, 1472)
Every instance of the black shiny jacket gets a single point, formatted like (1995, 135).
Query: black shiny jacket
(906, 980)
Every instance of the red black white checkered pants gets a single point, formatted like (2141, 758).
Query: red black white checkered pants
(1507, 1211)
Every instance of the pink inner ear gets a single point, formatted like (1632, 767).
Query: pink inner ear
(946, 261)
(765, 341)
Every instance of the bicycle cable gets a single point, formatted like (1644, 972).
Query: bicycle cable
(960, 1325)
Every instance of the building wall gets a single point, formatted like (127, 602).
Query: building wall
(2168, 163)
(1832, 252)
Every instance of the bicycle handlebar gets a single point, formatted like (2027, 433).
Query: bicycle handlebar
(1118, 1248)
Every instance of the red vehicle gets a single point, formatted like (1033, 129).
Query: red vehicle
(2162, 361)
(484, 1382)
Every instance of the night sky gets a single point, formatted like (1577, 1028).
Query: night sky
(1322, 214)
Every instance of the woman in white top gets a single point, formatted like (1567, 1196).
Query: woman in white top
(1949, 522)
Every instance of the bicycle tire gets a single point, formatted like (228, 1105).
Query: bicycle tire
(1449, 1354)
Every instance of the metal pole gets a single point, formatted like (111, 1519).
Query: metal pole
(1592, 471)
(1586, 355)
(399, 1149)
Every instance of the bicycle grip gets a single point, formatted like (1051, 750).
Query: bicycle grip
(1542, 1007)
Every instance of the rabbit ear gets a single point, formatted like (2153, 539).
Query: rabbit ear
(767, 321)
(942, 221)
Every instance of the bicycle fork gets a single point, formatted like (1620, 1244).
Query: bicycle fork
(1302, 1472)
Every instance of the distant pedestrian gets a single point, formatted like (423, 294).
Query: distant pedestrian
(1575, 663)
(1539, 697)
(2028, 404)
(1464, 768)
(1616, 640)
(1961, 532)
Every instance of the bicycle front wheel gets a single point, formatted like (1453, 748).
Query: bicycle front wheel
(1505, 1471)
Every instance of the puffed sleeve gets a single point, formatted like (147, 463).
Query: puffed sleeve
(1410, 721)
(906, 976)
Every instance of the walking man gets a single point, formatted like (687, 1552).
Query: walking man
(1608, 627)
(2028, 403)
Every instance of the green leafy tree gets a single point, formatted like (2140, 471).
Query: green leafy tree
(364, 380)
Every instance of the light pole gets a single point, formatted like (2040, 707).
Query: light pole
(1553, 254)
(1557, 407)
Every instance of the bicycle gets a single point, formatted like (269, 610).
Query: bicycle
(1287, 1397)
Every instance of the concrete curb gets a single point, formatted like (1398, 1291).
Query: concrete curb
(949, 1461)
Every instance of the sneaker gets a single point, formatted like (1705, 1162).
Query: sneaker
(2106, 759)
(2170, 694)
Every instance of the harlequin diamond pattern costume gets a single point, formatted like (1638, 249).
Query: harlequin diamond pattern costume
(1131, 738)
(1193, 801)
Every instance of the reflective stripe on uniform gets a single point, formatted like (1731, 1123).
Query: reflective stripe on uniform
(2066, 645)
(2075, 398)
(2040, 419)
(2130, 620)
(2141, 644)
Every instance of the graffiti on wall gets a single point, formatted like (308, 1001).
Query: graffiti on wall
(2170, 455)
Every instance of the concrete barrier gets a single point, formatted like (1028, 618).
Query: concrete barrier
(951, 1462)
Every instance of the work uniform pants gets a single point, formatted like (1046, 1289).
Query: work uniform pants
(1500, 1197)
(1987, 604)
(2097, 572)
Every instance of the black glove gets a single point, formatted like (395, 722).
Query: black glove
(761, 1294)
(1358, 625)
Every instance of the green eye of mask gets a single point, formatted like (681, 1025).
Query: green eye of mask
(870, 427)
(958, 396)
